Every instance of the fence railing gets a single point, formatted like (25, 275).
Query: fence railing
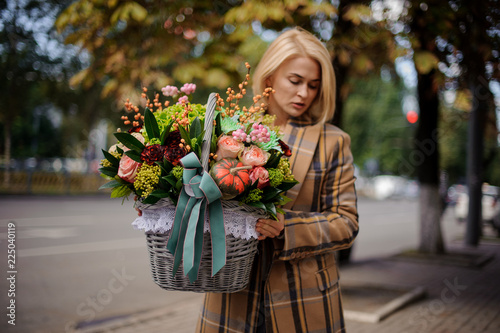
(40, 182)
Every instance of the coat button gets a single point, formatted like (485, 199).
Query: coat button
(293, 255)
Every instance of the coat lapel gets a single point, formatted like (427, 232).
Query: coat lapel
(302, 141)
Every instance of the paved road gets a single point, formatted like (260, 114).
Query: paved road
(79, 260)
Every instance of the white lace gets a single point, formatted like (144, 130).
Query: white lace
(237, 222)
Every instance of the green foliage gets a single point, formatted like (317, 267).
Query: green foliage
(377, 126)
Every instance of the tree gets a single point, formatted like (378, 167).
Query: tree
(154, 43)
(26, 66)
(440, 33)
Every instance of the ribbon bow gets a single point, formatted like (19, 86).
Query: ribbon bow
(186, 241)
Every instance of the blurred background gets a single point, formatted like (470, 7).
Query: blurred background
(417, 90)
(417, 83)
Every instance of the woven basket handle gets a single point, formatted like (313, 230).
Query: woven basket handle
(209, 122)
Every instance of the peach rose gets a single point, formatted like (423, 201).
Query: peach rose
(127, 169)
(138, 136)
(228, 147)
(254, 156)
(261, 175)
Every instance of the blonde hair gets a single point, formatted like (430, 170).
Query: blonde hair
(293, 43)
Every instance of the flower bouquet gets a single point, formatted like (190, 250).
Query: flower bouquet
(202, 175)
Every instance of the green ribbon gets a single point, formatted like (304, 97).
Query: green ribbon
(186, 240)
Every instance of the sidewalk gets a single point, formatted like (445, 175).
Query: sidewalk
(457, 298)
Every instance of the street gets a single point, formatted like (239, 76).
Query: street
(78, 259)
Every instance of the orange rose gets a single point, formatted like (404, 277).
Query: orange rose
(254, 156)
(228, 147)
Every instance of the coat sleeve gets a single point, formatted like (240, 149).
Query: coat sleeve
(328, 221)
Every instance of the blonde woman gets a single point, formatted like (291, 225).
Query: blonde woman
(294, 284)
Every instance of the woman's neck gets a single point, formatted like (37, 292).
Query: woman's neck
(281, 120)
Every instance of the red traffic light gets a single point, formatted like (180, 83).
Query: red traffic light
(412, 117)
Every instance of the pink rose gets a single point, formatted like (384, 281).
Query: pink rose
(228, 147)
(261, 175)
(127, 170)
(138, 136)
(254, 156)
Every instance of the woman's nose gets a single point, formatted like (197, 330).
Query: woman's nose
(302, 91)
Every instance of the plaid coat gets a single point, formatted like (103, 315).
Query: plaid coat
(294, 282)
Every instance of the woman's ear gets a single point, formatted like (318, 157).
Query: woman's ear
(268, 82)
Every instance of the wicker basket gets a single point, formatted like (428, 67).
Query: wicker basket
(240, 253)
(234, 276)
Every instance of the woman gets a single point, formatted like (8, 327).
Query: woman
(294, 282)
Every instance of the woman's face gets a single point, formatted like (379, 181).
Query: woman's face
(296, 83)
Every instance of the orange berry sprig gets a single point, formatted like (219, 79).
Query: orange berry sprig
(233, 98)
(137, 116)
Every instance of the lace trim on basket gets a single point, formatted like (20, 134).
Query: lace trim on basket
(239, 221)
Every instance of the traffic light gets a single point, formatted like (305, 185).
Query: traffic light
(412, 117)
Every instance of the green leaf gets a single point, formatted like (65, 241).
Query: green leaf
(130, 141)
(165, 166)
(257, 204)
(113, 160)
(195, 129)
(160, 193)
(120, 191)
(171, 180)
(283, 200)
(109, 171)
(151, 125)
(286, 185)
(218, 125)
(111, 184)
(271, 209)
(165, 133)
(164, 184)
(136, 156)
(185, 135)
(273, 160)
(270, 193)
(151, 200)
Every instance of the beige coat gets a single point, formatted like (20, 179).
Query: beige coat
(294, 281)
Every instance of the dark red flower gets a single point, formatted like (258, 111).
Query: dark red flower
(286, 150)
(152, 154)
(135, 129)
(174, 151)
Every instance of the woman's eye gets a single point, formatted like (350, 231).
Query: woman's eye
(314, 87)
(294, 82)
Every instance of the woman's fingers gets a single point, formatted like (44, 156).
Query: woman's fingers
(139, 212)
(269, 227)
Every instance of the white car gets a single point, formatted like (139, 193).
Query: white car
(490, 204)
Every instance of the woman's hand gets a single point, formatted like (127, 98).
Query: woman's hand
(269, 227)
(139, 212)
